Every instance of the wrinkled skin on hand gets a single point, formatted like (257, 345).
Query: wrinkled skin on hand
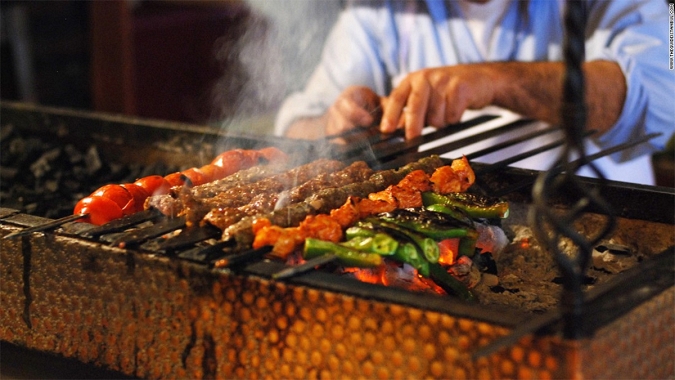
(434, 96)
(437, 97)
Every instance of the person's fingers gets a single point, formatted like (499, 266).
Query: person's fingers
(368, 99)
(394, 107)
(416, 108)
(436, 110)
(436, 97)
(354, 112)
(455, 101)
(355, 107)
(438, 80)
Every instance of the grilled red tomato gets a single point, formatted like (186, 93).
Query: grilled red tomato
(175, 179)
(154, 185)
(213, 172)
(139, 196)
(194, 175)
(250, 158)
(178, 178)
(231, 159)
(273, 155)
(118, 194)
(101, 210)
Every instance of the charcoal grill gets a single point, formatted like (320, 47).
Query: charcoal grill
(162, 308)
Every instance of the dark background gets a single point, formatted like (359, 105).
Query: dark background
(146, 58)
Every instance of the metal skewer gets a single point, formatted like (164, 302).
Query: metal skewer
(580, 161)
(47, 226)
(305, 267)
(244, 257)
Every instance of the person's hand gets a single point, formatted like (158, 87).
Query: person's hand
(437, 97)
(357, 106)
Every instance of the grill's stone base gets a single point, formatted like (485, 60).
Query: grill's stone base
(153, 317)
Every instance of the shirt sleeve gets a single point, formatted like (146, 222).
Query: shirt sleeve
(635, 35)
(351, 56)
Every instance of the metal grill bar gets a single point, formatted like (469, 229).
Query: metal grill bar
(123, 223)
(136, 237)
(519, 157)
(44, 227)
(186, 238)
(383, 147)
(207, 254)
(6, 212)
(453, 145)
(492, 133)
(242, 258)
(580, 161)
(307, 266)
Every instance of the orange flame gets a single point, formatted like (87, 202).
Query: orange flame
(395, 275)
(525, 243)
(449, 249)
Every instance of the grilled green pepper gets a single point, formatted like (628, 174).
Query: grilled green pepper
(409, 254)
(347, 256)
(379, 243)
(450, 211)
(359, 231)
(474, 205)
(467, 247)
(427, 245)
(406, 252)
(435, 225)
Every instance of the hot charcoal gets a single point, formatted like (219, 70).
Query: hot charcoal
(42, 176)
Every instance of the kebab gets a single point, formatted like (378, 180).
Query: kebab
(111, 202)
(195, 209)
(406, 193)
(393, 224)
(325, 200)
(223, 217)
(171, 204)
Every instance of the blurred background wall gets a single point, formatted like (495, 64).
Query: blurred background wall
(197, 61)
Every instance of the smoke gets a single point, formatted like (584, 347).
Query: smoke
(277, 49)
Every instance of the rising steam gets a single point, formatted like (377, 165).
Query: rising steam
(278, 48)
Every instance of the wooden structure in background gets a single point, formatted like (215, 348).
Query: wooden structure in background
(112, 57)
(158, 58)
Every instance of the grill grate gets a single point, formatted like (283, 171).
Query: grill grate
(149, 231)
(192, 258)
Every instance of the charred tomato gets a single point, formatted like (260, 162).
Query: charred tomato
(100, 210)
(154, 185)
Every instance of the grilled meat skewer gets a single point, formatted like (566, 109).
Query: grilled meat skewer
(329, 225)
(171, 204)
(327, 199)
(239, 195)
(266, 202)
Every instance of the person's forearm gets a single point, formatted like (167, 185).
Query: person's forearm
(535, 90)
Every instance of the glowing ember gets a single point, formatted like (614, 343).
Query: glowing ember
(525, 243)
(371, 276)
(449, 249)
(396, 275)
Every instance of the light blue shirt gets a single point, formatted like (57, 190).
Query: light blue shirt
(376, 43)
